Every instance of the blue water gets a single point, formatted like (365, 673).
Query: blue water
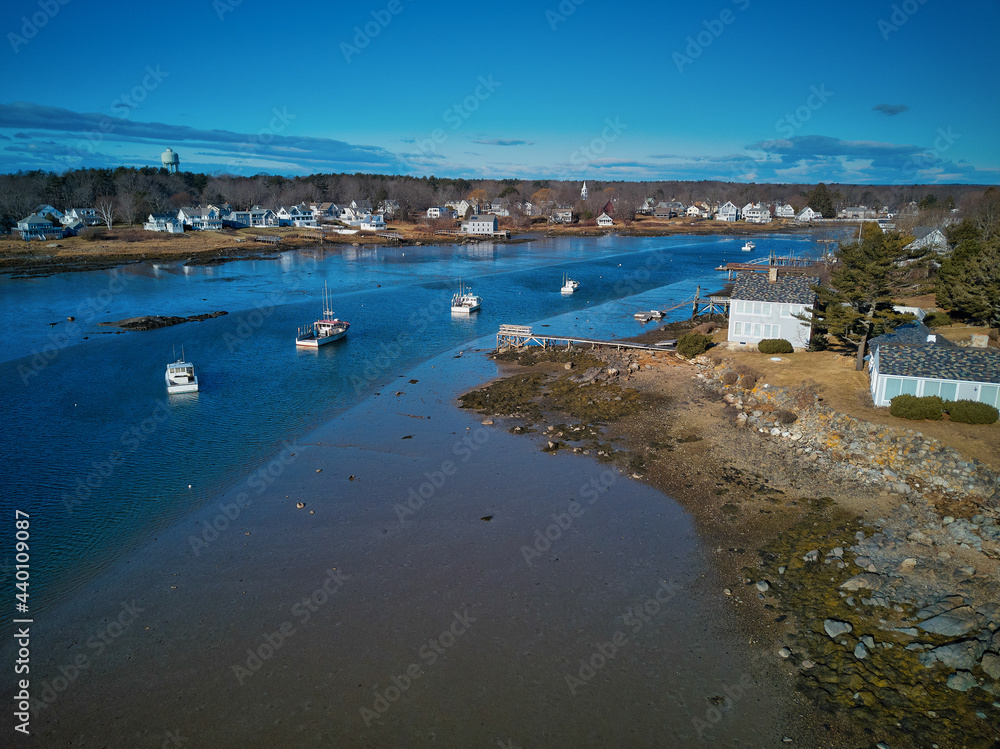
(101, 458)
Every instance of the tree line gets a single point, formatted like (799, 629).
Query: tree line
(136, 192)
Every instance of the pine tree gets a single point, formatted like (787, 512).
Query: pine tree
(858, 303)
(821, 200)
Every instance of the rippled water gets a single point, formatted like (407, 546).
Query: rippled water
(102, 458)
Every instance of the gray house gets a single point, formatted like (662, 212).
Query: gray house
(913, 361)
(764, 306)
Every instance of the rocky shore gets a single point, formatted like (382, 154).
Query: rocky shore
(152, 322)
(865, 556)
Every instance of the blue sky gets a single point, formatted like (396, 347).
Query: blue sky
(739, 90)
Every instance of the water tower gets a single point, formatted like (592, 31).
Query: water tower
(171, 161)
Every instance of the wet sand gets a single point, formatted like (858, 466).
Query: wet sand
(374, 622)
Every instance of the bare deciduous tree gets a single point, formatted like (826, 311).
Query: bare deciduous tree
(106, 209)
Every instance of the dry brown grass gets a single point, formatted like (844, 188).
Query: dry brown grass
(845, 390)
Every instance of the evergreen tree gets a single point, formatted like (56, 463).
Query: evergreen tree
(858, 303)
(821, 200)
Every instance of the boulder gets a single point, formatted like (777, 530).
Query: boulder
(864, 580)
(991, 665)
(962, 681)
(835, 628)
(954, 623)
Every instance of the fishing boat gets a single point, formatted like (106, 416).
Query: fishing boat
(569, 285)
(180, 376)
(653, 314)
(749, 246)
(465, 302)
(325, 330)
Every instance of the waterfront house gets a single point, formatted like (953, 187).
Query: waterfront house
(605, 220)
(465, 208)
(912, 360)
(727, 212)
(756, 213)
(439, 212)
(807, 215)
(256, 217)
(167, 222)
(484, 224)
(362, 206)
(324, 211)
(47, 210)
(299, 215)
(856, 213)
(784, 211)
(73, 228)
(926, 238)
(200, 219)
(561, 215)
(371, 222)
(88, 216)
(500, 207)
(764, 306)
(37, 227)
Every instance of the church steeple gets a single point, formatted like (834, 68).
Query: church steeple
(583, 192)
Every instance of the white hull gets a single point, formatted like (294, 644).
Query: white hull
(311, 341)
(190, 387)
(465, 310)
(568, 289)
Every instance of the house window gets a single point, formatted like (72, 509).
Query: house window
(949, 390)
(908, 386)
(988, 394)
(738, 328)
(756, 330)
(892, 388)
(932, 388)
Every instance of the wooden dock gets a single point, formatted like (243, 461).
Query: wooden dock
(267, 239)
(522, 335)
(394, 236)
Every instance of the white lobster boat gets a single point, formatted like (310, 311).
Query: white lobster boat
(749, 246)
(325, 330)
(569, 285)
(465, 302)
(180, 377)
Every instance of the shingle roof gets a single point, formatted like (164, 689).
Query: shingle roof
(943, 363)
(911, 334)
(755, 287)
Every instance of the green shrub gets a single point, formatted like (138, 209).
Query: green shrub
(937, 319)
(971, 412)
(818, 342)
(692, 344)
(775, 346)
(916, 409)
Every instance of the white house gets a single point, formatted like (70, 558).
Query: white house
(46, 210)
(439, 212)
(200, 219)
(605, 220)
(784, 211)
(372, 222)
(693, 211)
(297, 215)
(926, 238)
(485, 224)
(913, 361)
(256, 217)
(856, 212)
(500, 207)
(764, 306)
(87, 215)
(756, 213)
(561, 216)
(324, 211)
(727, 212)
(807, 214)
(36, 227)
(167, 222)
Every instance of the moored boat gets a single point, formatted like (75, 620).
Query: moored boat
(569, 285)
(325, 330)
(749, 246)
(465, 302)
(180, 377)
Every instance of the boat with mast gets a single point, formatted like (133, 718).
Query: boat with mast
(465, 302)
(180, 376)
(569, 285)
(325, 330)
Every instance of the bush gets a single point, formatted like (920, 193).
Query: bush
(786, 417)
(937, 319)
(775, 346)
(92, 233)
(692, 344)
(748, 381)
(818, 342)
(916, 409)
(730, 378)
(971, 412)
